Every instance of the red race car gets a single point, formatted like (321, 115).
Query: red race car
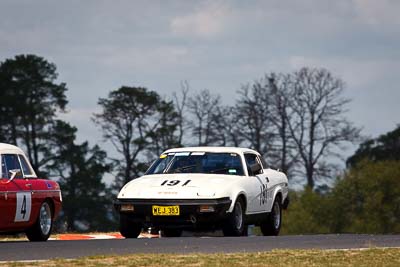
(27, 204)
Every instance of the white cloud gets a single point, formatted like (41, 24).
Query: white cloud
(149, 58)
(358, 74)
(101, 45)
(208, 20)
(378, 13)
(370, 84)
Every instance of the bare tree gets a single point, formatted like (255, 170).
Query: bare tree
(263, 112)
(254, 117)
(317, 123)
(283, 152)
(203, 108)
(226, 119)
(180, 102)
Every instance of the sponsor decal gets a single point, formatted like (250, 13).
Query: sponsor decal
(167, 193)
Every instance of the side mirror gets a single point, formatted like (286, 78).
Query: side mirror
(255, 168)
(14, 173)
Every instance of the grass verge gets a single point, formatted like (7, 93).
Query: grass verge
(363, 257)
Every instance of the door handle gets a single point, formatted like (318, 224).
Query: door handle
(266, 178)
(28, 185)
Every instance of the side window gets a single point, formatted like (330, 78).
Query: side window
(12, 163)
(262, 161)
(251, 159)
(4, 172)
(25, 166)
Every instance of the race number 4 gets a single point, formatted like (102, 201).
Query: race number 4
(23, 208)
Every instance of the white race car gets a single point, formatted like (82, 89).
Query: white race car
(204, 188)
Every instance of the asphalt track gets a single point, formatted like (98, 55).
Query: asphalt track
(24, 250)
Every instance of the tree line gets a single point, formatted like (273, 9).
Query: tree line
(365, 199)
(297, 120)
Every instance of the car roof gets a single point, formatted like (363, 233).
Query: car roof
(11, 149)
(7, 148)
(214, 149)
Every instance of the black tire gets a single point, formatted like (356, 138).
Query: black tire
(272, 225)
(234, 224)
(127, 228)
(41, 230)
(171, 232)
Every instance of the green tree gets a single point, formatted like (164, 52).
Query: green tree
(308, 213)
(164, 134)
(364, 200)
(136, 120)
(29, 100)
(86, 199)
(367, 199)
(9, 110)
(385, 147)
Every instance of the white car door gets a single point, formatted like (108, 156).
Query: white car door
(257, 192)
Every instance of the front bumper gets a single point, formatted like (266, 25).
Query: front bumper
(190, 215)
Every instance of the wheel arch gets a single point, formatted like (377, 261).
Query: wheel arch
(278, 195)
(240, 195)
(52, 206)
(278, 192)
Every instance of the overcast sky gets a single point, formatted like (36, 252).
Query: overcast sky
(99, 46)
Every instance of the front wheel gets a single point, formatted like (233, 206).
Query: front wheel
(127, 228)
(41, 230)
(272, 225)
(234, 225)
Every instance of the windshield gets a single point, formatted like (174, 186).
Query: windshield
(198, 162)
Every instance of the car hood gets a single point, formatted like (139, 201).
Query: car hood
(181, 186)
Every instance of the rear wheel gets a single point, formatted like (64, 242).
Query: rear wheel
(41, 230)
(234, 225)
(127, 228)
(272, 225)
(168, 232)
